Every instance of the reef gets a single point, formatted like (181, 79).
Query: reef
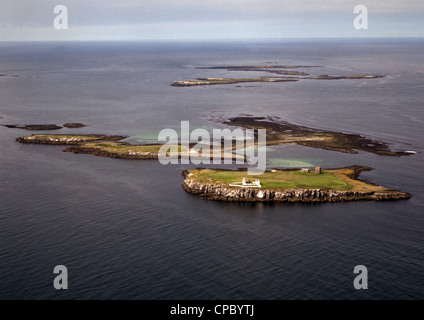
(283, 132)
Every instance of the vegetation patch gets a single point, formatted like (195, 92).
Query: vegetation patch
(281, 179)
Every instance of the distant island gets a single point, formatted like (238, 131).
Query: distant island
(211, 81)
(284, 75)
(45, 127)
(293, 185)
(74, 125)
(34, 127)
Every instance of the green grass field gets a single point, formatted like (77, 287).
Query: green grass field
(122, 148)
(116, 147)
(279, 179)
(64, 136)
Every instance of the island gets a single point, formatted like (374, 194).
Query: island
(74, 125)
(282, 132)
(45, 127)
(96, 144)
(34, 126)
(288, 75)
(212, 81)
(66, 139)
(276, 69)
(278, 132)
(289, 185)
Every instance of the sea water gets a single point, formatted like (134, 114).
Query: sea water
(125, 229)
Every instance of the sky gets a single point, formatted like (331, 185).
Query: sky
(127, 20)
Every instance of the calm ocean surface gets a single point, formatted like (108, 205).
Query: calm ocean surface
(127, 230)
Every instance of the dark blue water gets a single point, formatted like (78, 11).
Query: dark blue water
(126, 229)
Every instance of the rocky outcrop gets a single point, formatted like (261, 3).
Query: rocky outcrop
(74, 125)
(34, 126)
(45, 126)
(226, 193)
(283, 132)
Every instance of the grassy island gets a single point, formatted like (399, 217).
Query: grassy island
(331, 185)
(283, 179)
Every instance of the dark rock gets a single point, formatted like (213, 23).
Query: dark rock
(41, 127)
(74, 125)
(34, 126)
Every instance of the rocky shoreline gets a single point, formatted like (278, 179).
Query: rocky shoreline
(223, 192)
(95, 144)
(66, 139)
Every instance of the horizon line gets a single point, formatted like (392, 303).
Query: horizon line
(218, 39)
